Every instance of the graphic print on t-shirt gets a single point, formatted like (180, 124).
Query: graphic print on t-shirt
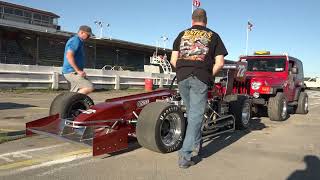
(195, 45)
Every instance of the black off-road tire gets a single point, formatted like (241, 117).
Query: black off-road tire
(276, 110)
(303, 106)
(237, 109)
(65, 104)
(149, 125)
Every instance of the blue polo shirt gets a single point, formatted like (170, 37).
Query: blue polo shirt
(74, 44)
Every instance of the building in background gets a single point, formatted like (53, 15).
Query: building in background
(33, 37)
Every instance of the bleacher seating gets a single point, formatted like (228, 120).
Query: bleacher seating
(51, 52)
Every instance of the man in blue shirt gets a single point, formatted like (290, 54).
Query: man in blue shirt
(74, 62)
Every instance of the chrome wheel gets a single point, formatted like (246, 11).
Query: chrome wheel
(246, 113)
(170, 129)
(284, 109)
(306, 105)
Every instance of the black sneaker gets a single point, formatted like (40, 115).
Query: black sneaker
(184, 163)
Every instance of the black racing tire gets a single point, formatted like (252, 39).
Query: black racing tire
(278, 107)
(161, 127)
(67, 105)
(54, 107)
(303, 104)
(242, 112)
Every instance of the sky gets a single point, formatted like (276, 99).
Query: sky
(279, 26)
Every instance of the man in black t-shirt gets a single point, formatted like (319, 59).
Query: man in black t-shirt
(198, 55)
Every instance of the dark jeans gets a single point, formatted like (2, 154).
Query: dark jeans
(194, 94)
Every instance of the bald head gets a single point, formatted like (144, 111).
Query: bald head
(199, 16)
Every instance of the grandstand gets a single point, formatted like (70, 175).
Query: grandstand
(33, 37)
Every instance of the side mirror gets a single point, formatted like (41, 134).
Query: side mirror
(294, 70)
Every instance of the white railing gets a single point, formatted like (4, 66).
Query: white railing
(31, 76)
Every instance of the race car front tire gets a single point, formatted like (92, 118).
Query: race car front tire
(67, 105)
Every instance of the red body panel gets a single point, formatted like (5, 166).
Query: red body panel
(123, 107)
(113, 113)
(49, 124)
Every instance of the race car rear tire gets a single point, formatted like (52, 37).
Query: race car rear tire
(241, 110)
(161, 127)
(278, 107)
(303, 103)
(68, 104)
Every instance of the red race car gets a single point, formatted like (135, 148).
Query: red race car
(157, 119)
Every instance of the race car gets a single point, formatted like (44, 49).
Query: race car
(157, 119)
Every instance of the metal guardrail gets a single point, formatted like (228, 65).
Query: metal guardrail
(37, 76)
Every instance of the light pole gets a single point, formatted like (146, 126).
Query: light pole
(100, 25)
(164, 39)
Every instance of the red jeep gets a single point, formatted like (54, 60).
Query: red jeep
(276, 82)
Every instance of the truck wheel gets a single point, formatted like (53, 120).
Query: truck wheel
(68, 104)
(278, 108)
(241, 110)
(303, 106)
(161, 127)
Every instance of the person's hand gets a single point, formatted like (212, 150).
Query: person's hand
(82, 73)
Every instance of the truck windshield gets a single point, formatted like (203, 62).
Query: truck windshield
(266, 64)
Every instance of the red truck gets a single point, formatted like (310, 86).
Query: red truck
(275, 82)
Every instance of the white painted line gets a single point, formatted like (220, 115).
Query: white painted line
(48, 164)
(136, 151)
(18, 155)
(70, 165)
(32, 150)
(37, 108)
(6, 159)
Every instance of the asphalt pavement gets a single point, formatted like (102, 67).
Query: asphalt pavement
(288, 150)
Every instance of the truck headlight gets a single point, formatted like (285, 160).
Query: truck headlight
(255, 85)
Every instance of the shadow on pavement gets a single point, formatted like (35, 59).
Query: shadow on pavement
(132, 145)
(312, 171)
(256, 125)
(10, 105)
(225, 140)
(216, 143)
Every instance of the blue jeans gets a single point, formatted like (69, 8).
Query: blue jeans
(194, 94)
